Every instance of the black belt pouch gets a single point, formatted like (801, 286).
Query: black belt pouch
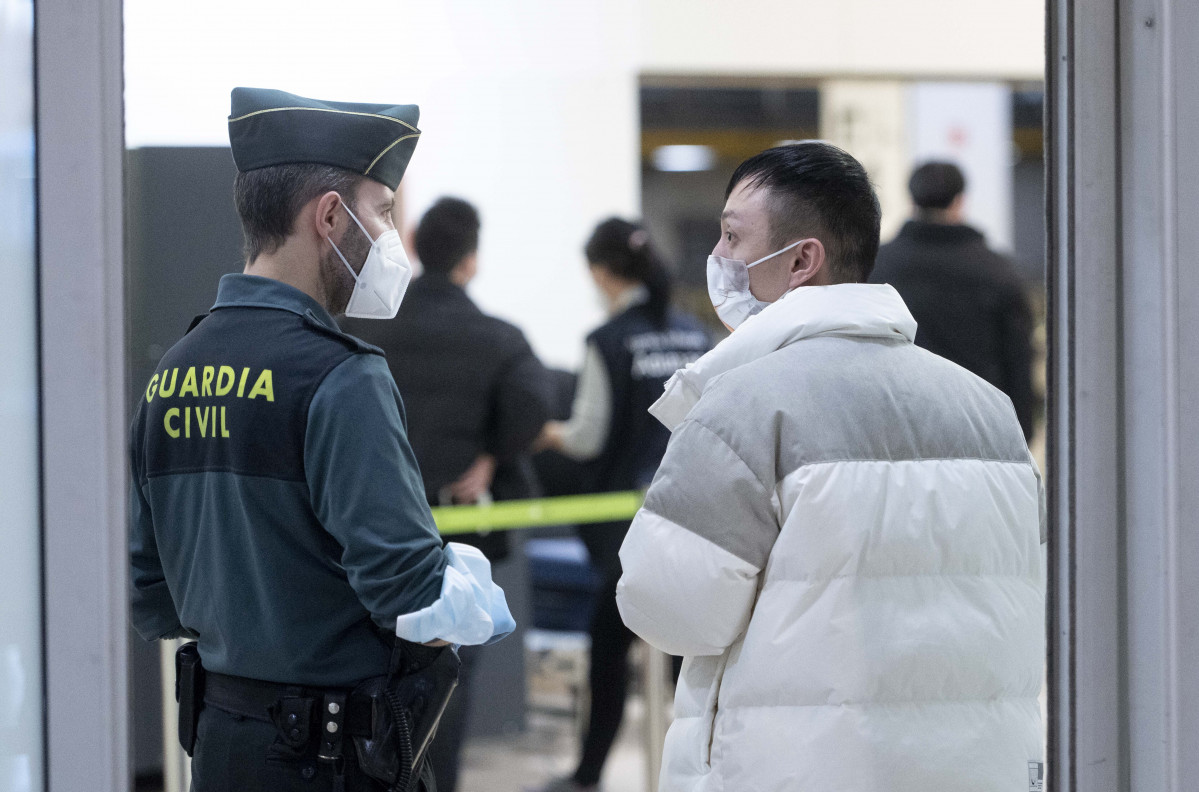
(189, 692)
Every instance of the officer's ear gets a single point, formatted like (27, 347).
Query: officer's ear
(328, 215)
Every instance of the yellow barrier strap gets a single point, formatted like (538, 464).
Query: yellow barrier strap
(537, 512)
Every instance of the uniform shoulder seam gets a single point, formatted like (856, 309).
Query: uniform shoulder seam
(353, 343)
(318, 383)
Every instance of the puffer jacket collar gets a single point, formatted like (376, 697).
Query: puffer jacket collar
(852, 309)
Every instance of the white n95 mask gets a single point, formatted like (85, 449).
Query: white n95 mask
(728, 287)
(379, 288)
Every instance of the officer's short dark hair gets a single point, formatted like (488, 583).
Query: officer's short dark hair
(448, 233)
(818, 190)
(935, 185)
(269, 199)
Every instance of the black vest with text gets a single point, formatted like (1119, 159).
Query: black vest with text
(640, 356)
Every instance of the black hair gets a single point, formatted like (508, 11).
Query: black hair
(818, 190)
(269, 199)
(448, 233)
(623, 248)
(935, 185)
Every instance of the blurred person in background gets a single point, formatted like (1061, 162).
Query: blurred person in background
(843, 536)
(968, 300)
(477, 397)
(626, 362)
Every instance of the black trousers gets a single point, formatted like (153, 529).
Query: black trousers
(609, 680)
(234, 753)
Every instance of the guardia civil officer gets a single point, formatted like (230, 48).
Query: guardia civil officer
(277, 513)
(627, 361)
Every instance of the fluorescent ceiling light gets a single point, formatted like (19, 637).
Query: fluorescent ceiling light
(684, 158)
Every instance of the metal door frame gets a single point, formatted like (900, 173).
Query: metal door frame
(80, 151)
(1123, 218)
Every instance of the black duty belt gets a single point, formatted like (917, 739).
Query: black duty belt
(253, 698)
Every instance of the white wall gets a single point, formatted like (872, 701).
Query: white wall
(900, 38)
(533, 116)
(530, 108)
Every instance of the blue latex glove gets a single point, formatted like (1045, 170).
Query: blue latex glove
(471, 610)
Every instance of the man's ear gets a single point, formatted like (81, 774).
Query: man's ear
(809, 265)
(957, 209)
(328, 215)
(466, 269)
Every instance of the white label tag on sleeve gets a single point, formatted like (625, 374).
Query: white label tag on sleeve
(1036, 777)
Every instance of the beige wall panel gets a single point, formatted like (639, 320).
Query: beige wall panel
(868, 119)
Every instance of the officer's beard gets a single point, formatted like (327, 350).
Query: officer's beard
(336, 279)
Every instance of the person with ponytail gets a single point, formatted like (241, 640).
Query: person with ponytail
(626, 363)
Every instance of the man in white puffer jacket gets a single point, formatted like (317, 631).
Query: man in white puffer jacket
(843, 538)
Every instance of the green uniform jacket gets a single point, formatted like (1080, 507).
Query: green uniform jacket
(276, 509)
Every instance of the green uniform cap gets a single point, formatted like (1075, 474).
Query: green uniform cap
(269, 127)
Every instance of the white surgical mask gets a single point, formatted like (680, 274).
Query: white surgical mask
(379, 288)
(728, 287)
